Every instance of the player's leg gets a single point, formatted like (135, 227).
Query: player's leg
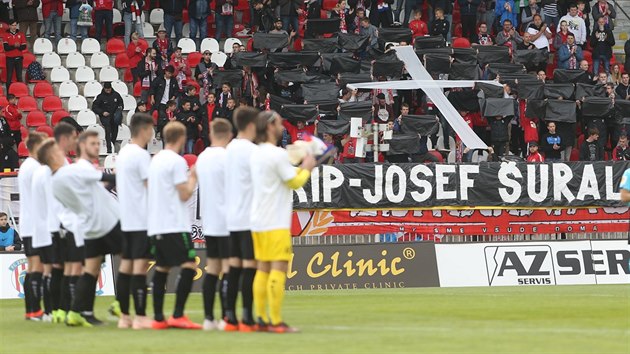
(158, 283)
(247, 283)
(182, 251)
(140, 254)
(45, 286)
(280, 253)
(260, 281)
(224, 254)
(35, 270)
(213, 267)
(83, 298)
(120, 307)
(233, 280)
(57, 277)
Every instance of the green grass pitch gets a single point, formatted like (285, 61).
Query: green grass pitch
(554, 319)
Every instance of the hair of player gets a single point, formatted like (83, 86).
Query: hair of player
(244, 116)
(43, 154)
(173, 131)
(33, 140)
(3, 214)
(63, 129)
(86, 135)
(262, 123)
(220, 128)
(138, 122)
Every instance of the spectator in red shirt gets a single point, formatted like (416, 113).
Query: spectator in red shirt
(418, 27)
(136, 50)
(298, 130)
(622, 151)
(534, 155)
(14, 117)
(182, 70)
(14, 44)
(103, 15)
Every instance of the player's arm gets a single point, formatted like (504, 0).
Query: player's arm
(625, 195)
(303, 173)
(624, 187)
(186, 189)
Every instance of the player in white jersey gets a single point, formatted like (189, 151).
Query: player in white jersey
(132, 172)
(238, 186)
(33, 279)
(170, 186)
(78, 188)
(274, 179)
(211, 174)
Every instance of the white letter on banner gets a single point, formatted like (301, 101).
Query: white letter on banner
(315, 185)
(330, 183)
(589, 185)
(389, 184)
(301, 194)
(531, 182)
(378, 187)
(464, 182)
(441, 180)
(562, 174)
(505, 170)
(421, 183)
(610, 192)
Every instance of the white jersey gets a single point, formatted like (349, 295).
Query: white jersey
(25, 179)
(238, 184)
(167, 212)
(211, 176)
(272, 204)
(41, 199)
(68, 219)
(132, 171)
(78, 188)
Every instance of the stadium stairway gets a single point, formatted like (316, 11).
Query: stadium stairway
(622, 27)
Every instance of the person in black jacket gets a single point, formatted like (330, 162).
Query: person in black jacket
(602, 41)
(380, 12)
(499, 133)
(289, 12)
(187, 117)
(147, 71)
(198, 12)
(8, 157)
(468, 11)
(163, 89)
(552, 144)
(173, 11)
(439, 26)
(166, 115)
(190, 95)
(108, 106)
(590, 149)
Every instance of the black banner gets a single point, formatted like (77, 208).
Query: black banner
(353, 42)
(270, 40)
(409, 186)
(322, 45)
(299, 112)
(333, 127)
(320, 92)
(292, 59)
(362, 109)
(420, 124)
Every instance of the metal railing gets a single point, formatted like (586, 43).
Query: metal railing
(619, 8)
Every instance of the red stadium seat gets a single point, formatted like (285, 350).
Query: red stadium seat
(22, 150)
(57, 116)
(23, 132)
(27, 103)
(46, 129)
(52, 104)
(122, 61)
(323, 14)
(575, 155)
(43, 89)
(190, 159)
(329, 4)
(461, 43)
(137, 89)
(19, 89)
(155, 117)
(437, 155)
(35, 119)
(194, 59)
(588, 56)
(128, 75)
(198, 147)
(115, 46)
(3, 60)
(3, 101)
(185, 18)
(28, 59)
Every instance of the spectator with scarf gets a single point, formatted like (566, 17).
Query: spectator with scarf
(146, 71)
(164, 49)
(182, 70)
(203, 74)
(132, 17)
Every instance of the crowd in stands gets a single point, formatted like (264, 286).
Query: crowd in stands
(297, 57)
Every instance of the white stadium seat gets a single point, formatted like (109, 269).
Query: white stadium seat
(219, 58)
(92, 89)
(186, 30)
(97, 128)
(188, 45)
(210, 44)
(77, 103)
(68, 89)
(128, 117)
(148, 30)
(86, 117)
(42, 46)
(99, 60)
(75, 60)
(227, 47)
(59, 74)
(90, 46)
(51, 60)
(120, 87)
(123, 133)
(84, 74)
(156, 17)
(129, 103)
(154, 146)
(66, 46)
(108, 74)
(117, 16)
(110, 161)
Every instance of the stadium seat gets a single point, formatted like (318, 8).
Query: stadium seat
(108, 74)
(115, 46)
(123, 133)
(58, 116)
(227, 47)
(120, 87)
(66, 46)
(86, 117)
(129, 103)
(22, 151)
(122, 61)
(52, 104)
(117, 16)
(194, 59)
(35, 119)
(59, 74)
(90, 46)
(23, 132)
(42, 46)
(3, 101)
(97, 128)
(19, 89)
(77, 103)
(43, 89)
(191, 159)
(149, 31)
(46, 130)
(219, 58)
(186, 30)
(75, 60)
(99, 60)
(84, 74)
(156, 17)
(210, 44)
(27, 104)
(187, 45)
(128, 117)
(155, 146)
(51, 60)
(461, 43)
(92, 89)
(110, 161)
(28, 59)
(68, 89)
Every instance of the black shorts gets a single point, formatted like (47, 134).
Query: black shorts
(241, 245)
(52, 254)
(29, 251)
(70, 252)
(136, 245)
(217, 247)
(111, 243)
(172, 250)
